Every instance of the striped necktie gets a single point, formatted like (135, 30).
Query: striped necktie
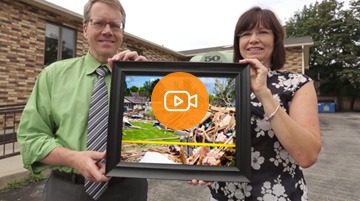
(97, 127)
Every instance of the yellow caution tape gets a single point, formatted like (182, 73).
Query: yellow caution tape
(179, 143)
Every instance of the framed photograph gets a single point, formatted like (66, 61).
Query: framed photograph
(217, 148)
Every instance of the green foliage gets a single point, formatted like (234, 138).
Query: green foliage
(148, 87)
(134, 89)
(336, 51)
(127, 90)
(211, 98)
(352, 79)
(145, 90)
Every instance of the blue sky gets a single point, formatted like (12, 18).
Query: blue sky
(140, 80)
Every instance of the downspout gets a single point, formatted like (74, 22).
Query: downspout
(302, 59)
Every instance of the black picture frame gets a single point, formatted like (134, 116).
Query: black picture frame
(238, 173)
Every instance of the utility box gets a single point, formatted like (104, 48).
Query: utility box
(326, 107)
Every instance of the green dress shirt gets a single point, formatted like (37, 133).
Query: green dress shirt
(57, 110)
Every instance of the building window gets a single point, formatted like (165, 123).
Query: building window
(139, 51)
(59, 43)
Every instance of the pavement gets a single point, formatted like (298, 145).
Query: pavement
(335, 176)
(11, 169)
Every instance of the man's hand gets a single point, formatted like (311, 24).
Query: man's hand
(126, 55)
(85, 162)
(89, 166)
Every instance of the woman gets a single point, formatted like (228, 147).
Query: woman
(284, 122)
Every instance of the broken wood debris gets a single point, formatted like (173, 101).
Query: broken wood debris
(218, 126)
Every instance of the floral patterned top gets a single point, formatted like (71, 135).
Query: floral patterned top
(274, 173)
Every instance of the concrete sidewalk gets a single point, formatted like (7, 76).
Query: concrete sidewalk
(11, 170)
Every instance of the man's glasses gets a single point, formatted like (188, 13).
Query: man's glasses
(259, 34)
(101, 24)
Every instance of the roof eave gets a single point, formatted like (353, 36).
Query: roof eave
(151, 44)
(75, 16)
(54, 8)
(298, 45)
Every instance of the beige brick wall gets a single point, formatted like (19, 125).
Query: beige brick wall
(22, 41)
(19, 38)
(22, 36)
(293, 59)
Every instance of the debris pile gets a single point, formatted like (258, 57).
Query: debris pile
(215, 134)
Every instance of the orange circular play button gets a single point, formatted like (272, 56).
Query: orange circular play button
(180, 100)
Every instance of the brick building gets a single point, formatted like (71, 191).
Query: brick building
(34, 33)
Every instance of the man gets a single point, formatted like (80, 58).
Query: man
(53, 130)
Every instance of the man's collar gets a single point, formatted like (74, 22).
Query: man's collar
(91, 64)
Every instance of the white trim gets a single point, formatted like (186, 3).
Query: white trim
(298, 44)
(302, 59)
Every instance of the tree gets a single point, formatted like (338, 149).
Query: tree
(224, 90)
(211, 98)
(148, 87)
(352, 78)
(336, 36)
(134, 89)
(127, 90)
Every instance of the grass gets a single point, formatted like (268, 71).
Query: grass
(144, 132)
(23, 182)
(147, 132)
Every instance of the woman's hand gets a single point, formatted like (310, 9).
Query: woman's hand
(258, 75)
(195, 182)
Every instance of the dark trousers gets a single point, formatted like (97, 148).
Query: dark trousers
(124, 189)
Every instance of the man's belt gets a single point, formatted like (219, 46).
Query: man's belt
(72, 177)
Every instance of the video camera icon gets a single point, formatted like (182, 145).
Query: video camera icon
(179, 101)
